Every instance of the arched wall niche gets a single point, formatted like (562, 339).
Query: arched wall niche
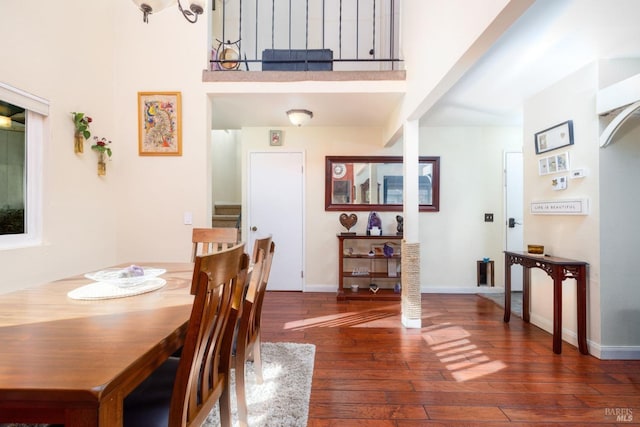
(620, 117)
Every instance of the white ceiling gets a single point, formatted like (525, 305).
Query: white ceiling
(233, 111)
(553, 39)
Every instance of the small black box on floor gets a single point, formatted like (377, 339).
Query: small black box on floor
(485, 273)
(297, 60)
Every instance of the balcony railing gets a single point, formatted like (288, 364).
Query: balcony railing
(305, 35)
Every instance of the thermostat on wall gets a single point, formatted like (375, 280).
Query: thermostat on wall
(578, 173)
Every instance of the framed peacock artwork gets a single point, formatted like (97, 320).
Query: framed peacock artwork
(159, 124)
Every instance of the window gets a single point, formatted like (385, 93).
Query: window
(21, 141)
(12, 168)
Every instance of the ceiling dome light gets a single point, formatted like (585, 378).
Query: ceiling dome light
(299, 117)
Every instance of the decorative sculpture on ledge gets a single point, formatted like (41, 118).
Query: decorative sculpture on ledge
(374, 225)
(348, 221)
(400, 226)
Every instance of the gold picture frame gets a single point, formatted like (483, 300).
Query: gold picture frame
(159, 124)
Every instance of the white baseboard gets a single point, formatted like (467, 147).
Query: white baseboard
(321, 288)
(424, 290)
(568, 336)
(615, 352)
(463, 290)
(595, 349)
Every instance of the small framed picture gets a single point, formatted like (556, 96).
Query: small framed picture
(275, 137)
(543, 166)
(555, 137)
(562, 161)
(159, 124)
(553, 164)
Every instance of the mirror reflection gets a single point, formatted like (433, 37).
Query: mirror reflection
(376, 183)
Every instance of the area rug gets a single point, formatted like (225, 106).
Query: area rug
(498, 298)
(282, 400)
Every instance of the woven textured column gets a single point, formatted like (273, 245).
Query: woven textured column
(411, 298)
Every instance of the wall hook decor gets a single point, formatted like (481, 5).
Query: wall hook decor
(101, 146)
(82, 132)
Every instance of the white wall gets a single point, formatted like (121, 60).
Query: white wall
(471, 183)
(96, 60)
(567, 236)
(167, 54)
(452, 239)
(619, 229)
(68, 59)
(321, 268)
(226, 166)
(441, 41)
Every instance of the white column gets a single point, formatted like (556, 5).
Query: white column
(411, 297)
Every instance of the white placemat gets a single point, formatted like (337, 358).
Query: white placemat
(106, 290)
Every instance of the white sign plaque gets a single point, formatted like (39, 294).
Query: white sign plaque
(561, 207)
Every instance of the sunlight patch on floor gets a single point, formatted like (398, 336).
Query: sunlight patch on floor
(364, 318)
(453, 346)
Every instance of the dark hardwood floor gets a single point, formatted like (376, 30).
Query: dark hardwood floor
(465, 367)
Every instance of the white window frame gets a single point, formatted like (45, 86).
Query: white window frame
(36, 110)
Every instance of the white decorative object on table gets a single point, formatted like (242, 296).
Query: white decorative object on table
(119, 283)
(123, 277)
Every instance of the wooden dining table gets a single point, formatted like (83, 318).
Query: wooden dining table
(72, 362)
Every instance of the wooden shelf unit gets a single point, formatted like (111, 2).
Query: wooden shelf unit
(348, 264)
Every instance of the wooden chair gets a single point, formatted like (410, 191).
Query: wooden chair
(184, 390)
(211, 240)
(248, 336)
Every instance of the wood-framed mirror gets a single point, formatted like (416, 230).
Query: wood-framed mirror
(349, 183)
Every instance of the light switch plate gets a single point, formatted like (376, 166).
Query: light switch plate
(188, 218)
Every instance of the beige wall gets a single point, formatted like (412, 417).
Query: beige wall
(226, 166)
(67, 58)
(85, 62)
(452, 239)
(471, 183)
(568, 236)
(321, 268)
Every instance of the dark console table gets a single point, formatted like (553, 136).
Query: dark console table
(558, 269)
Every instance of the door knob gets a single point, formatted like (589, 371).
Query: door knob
(512, 222)
(254, 228)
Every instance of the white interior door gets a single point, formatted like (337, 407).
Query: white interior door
(275, 206)
(514, 178)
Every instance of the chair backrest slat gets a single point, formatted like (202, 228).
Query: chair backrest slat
(249, 328)
(204, 365)
(212, 240)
